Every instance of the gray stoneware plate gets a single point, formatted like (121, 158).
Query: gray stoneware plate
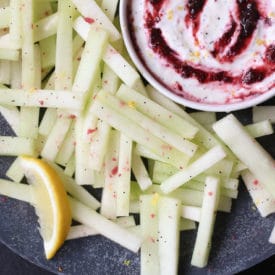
(240, 239)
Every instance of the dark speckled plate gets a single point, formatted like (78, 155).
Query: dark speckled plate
(240, 238)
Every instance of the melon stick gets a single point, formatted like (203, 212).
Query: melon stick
(263, 200)
(5, 14)
(105, 227)
(108, 199)
(207, 220)
(70, 167)
(15, 23)
(9, 54)
(248, 150)
(140, 172)
(62, 78)
(109, 7)
(15, 190)
(259, 129)
(29, 117)
(80, 231)
(90, 9)
(124, 176)
(41, 98)
(168, 234)
(78, 192)
(272, 236)
(149, 253)
(15, 146)
(206, 161)
(260, 113)
(5, 72)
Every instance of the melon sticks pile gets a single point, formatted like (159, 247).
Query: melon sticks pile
(72, 96)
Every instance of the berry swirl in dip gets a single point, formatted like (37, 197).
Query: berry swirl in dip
(207, 51)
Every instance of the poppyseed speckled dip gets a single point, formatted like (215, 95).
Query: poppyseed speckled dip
(207, 51)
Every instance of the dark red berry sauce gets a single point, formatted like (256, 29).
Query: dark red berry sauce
(194, 8)
(224, 41)
(249, 16)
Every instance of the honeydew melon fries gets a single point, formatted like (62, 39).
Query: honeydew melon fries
(101, 122)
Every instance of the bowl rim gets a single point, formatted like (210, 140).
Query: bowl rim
(165, 91)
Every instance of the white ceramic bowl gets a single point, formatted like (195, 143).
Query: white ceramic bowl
(162, 89)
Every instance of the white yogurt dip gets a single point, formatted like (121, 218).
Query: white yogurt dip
(207, 51)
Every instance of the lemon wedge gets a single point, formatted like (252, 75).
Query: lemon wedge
(50, 201)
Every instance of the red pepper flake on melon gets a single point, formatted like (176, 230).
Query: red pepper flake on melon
(89, 20)
(167, 147)
(255, 182)
(152, 216)
(122, 103)
(114, 171)
(152, 240)
(91, 131)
